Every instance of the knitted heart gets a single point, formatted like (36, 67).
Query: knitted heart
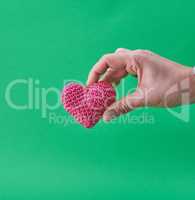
(87, 104)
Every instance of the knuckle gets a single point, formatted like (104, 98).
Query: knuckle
(139, 56)
(124, 106)
(139, 51)
(147, 52)
(119, 50)
(143, 52)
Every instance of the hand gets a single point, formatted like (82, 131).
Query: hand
(156, 76)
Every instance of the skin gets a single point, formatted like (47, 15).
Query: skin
(161, 82)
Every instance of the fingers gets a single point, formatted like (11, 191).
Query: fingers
(98, 69)
(114, 76)
(125, 105)
(103, 64)
(109, 76)
(122, 62)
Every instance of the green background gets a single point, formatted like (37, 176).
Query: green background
(53, 41)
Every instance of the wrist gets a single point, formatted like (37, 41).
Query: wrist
(192, 85)
(190, 76)
(187, 82)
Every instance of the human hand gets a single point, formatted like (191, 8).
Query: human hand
(155, 74)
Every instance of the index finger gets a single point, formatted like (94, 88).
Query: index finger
(98, 69)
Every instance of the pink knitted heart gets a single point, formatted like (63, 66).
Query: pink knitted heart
(87, 104)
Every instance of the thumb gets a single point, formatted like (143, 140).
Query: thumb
(125, 105)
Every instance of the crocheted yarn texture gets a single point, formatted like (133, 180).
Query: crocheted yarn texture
(87, 104)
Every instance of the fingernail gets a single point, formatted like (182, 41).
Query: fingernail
(87, 82)
(113, 84)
